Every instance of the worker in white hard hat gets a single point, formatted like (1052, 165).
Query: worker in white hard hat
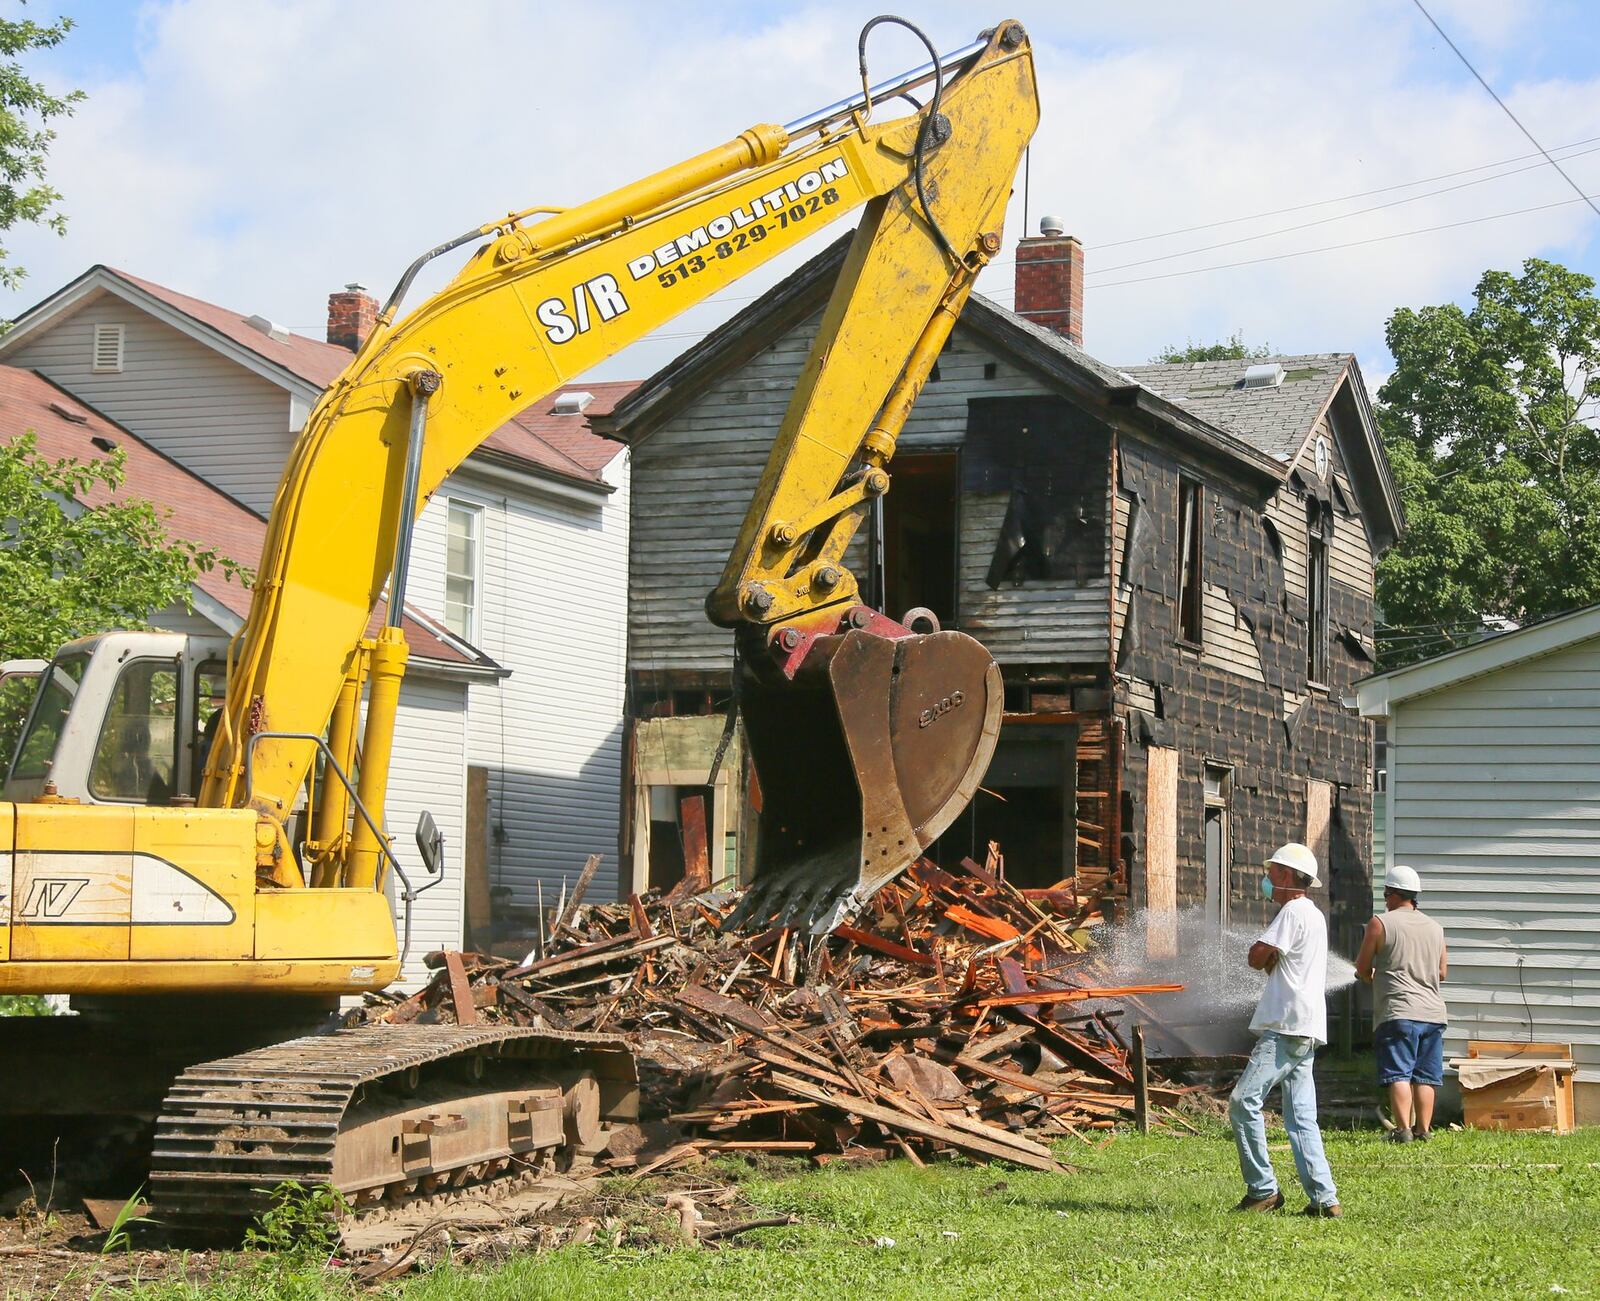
(1403, 957)
(1292, 1022)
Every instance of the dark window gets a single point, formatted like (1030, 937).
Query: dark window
(1218, 780)
(51, 706)
(1191, 623)
(918, 545)
(136, 758)
(1317, 609)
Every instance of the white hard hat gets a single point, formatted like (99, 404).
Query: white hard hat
(1401, 877)
(1297, 858)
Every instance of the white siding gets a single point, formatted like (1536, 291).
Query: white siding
(554, 612)
(429, 771)
(208, 413)
(697, 472)
(1495, 797)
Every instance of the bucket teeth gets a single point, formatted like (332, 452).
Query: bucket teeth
(864, 758)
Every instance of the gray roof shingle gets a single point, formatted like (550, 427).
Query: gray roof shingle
(1276, 420)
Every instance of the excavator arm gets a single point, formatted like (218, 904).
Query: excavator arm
(546, 296)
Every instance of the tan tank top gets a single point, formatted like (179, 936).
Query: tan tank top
(1405, 983)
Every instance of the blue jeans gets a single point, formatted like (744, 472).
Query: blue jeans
(1286, 1060)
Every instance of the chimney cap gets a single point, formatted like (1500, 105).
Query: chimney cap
(1052, 226)
(355, 287)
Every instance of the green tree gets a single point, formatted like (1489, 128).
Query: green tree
(76, 559)
(1233, 348)
(1489, 422)
(26, 111)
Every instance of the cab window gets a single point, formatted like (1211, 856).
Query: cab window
(17, 690)
(135, 759)
(210, 686)
(50, 709)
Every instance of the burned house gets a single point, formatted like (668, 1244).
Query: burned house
(1172, 564)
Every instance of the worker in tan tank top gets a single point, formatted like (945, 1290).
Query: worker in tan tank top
(1403, 958)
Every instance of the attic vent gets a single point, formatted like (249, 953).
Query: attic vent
(1267, 375)
(107, 348)
(69, 413)
(274, 331)
(104, 444)
(571, 403)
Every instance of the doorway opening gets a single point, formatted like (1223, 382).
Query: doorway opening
(916, 565)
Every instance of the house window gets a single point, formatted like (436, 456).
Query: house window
(1317, 606)
(1190, 552)
(1380, 757)
(107, 348)
(462, 563)
(1218, 833)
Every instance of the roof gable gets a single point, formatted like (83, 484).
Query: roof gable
(565, 447)
(1060, 362)
(1378, 694)
(194, 510)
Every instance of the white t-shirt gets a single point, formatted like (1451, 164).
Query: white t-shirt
(1295, 999)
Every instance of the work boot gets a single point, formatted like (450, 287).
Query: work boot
(1272, 1203)
(1329, 1212)
(1400, 1135)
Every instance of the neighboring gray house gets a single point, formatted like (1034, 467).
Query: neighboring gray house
(520, 557)
(1494, 797)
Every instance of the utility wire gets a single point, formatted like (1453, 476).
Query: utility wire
(1506, 108)
(1323, 221)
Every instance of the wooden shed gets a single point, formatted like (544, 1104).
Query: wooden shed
(1494, 798)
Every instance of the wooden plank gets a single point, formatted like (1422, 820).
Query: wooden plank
(475, 880)
(460, 989)
(1319, 809)
(1161, 852)
(867, 940)
(1034, 997)
(1141, 1081)
(578, 891)
(994, 1147)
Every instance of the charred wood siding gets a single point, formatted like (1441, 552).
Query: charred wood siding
(694, 474)
(1226, 703)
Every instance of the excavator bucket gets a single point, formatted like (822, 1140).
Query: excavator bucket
(867, 744)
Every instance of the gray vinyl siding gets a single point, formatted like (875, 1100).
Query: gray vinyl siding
(224, 423)
(1495, 790)
(553, 611)
(696, 473)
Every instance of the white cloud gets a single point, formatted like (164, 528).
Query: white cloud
(262, 155)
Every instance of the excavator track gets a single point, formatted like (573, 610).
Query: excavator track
(384, 1114)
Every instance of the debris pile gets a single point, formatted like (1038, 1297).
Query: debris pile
(957, 1013)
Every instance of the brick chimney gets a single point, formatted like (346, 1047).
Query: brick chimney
(1050, 280)
(351, 315)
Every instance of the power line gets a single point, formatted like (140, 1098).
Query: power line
(1343, 198)
(1323, 221)
(1506, 108)
(1354, 243)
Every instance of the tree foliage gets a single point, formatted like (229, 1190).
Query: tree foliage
(1233, 348)
(68, 569)
(26, 110)
(1489, 422)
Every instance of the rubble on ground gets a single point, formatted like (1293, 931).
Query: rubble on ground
(957, 1013)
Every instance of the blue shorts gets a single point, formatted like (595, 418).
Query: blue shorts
(1410, 1050)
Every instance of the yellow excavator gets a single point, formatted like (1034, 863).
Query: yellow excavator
(205, 869)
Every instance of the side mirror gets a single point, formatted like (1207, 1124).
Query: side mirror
(430, 844)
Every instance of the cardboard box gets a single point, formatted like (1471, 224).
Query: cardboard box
(1508, 1085)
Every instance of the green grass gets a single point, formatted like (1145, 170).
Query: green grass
(1468, 1214)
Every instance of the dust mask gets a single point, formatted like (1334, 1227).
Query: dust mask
(1266, 887)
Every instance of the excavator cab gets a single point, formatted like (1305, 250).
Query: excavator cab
(120, 719)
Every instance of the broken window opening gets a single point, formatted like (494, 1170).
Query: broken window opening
(1218, 790)
(917, 539)
(679, 817)
(1317, 599)
(1191, 608)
